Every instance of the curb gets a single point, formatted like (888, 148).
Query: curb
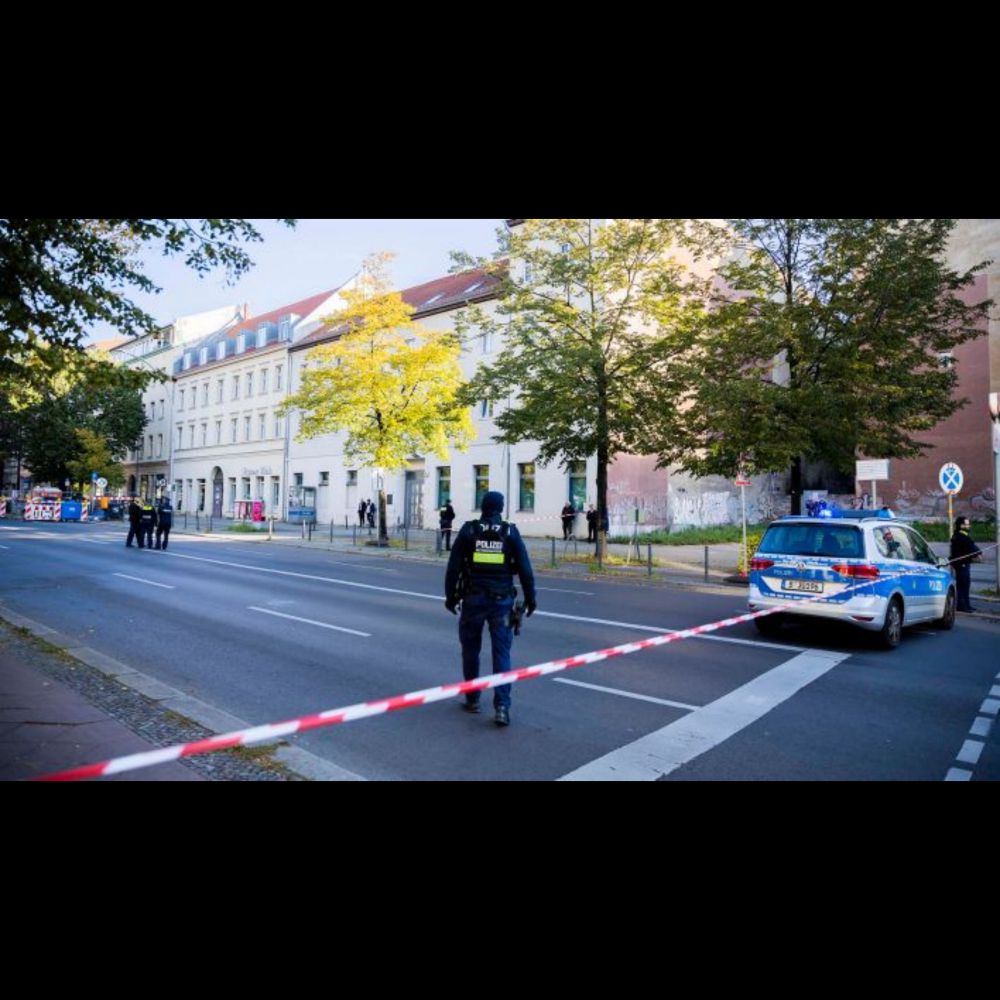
(301, 762)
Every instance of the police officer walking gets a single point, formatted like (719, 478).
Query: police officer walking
(963, 552)
(147, 521)
(134, 531)
(164, 522)
(487, 553)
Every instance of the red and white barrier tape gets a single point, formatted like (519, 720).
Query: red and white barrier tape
(364, 710)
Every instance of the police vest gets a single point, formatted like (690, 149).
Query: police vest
(489, 562)
(147, 515)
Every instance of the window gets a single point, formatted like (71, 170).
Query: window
(893, 542)
(482, 484)
(444, 484)
(218, 432)
(262, 426)
(180, 436)
(190, 435)
(486, 408)
(246, 428)
(921, 552)
(220, 386)
(285, 328)
(277, 427)
(234, 392)
(203, 356)
(203, 436)
(162, 408)
(298, 478)
(180, 401)
(352, 477)
(220, 350)
(201, 495)
(262, 336)
(577, 484)
(246, 488)
(278, 369)
(241, 343)
(249, 384)
(487, 339)
(231, 505)
(324, 479)
(159, 445)
(179, 493)
(946, 359)
(187, 362)
(150, 445)
(204, 394)
(275, 493)
(526, 486)
(263, 381)
(259, 495)
(138, 451)
(232, 430)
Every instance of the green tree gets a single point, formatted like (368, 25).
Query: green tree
(387, 382)
(825, 345)
(589, 312)
(94, 454)
(60, 276)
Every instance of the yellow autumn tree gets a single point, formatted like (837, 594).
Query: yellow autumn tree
(388, 383)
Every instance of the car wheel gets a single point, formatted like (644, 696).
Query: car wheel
(769, 624)
(947, 620)
(892, 627)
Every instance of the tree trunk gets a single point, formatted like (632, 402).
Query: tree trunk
(383, 530)
(795, 487)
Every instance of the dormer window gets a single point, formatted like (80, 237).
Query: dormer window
(203, 356)
(241, 343)
(261, 336)
(285, 328)
(220, 351)
(472, 288)
(434, 298)
(187, 361)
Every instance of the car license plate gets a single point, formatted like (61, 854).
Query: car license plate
(812, 586)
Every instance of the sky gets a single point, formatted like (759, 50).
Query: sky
(318, 254)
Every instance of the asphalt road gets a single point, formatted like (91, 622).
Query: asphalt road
(268, 634)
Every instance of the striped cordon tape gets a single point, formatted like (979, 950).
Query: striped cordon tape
(367, 709)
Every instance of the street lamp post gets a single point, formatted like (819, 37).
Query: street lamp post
(994, 401)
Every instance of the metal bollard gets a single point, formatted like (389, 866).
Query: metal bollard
(599, 562)
(354, 534)
(270, 529)
(210, 524)
(331, 531)
(406, 537)
(302, 529)
(197, 521)
(553, 552)
(437, 542)
(649, 558)
(185, 521)
(706, 564)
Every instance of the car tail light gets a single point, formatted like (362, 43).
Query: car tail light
(863, 571)
(759, 564)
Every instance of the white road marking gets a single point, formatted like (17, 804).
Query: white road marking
(958, 774)
(627, 694)
(139, 579)
(969, 754)
(989, 707)
(995, 691)
(682, 741)
(7, 547)
(439, 597)
(981, 727)
(309, 621)
(559, 590)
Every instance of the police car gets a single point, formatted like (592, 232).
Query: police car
(865, 568)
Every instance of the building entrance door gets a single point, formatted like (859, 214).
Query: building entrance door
(414, 499)
(217, 494)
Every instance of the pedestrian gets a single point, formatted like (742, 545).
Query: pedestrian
(371, 513)
(362, 508)
(134, 513)
(486, 555)
(147, 522)
(567, 515)
(164, 522)
(964, 551)
(591, 524)
(447, 519)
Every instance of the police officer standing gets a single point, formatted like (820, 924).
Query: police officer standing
(147, 521)
(164, 522)
(963, 551)
(488, 553)
(134, 513)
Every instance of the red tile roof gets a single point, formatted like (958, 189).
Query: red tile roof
(435, 296)
(302, 308)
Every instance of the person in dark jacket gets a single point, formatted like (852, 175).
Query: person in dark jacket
(568, 515)
(486, 555)
(591, 524)
(362, 510)
(147, 522)
(164, 522)
(134, 513)
(371, 513)
(964, 551)
(447, 519)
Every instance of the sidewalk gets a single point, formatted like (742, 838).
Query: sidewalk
(46, 726)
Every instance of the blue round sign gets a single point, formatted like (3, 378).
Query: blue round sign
(950, 477)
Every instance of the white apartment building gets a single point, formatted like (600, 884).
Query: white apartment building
(534, 495)
(227, 443)
(147, 467)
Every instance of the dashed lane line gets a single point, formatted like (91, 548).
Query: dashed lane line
(310, 621)
(627, 694)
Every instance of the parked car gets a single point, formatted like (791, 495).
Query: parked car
(868, 569)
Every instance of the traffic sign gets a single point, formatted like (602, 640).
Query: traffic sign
(951, 479)
(93, 477)
(102, 483)
(870, 469)
(742, 482)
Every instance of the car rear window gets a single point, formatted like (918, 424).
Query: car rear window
(835, 540)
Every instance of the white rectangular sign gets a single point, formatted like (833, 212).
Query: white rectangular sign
(872, 468)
